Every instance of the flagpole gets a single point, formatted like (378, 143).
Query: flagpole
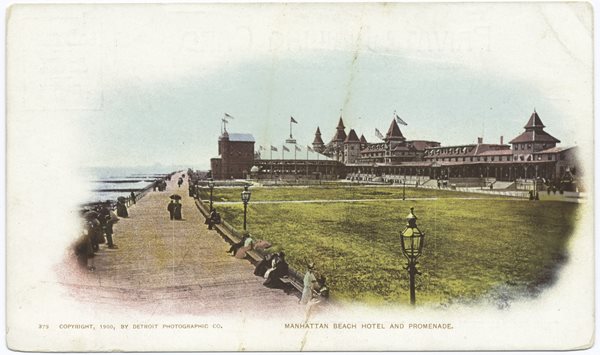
(306, 162)
(271, 149)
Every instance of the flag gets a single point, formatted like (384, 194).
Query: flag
(298, 148)
(378, 134)
(260, 147)
(224, 120)
(228, 115)
(274, 149)
(401, 121)
(285, 149)
(293, 120)
(309, 148)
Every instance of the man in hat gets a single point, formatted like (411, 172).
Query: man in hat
(107, 221)
(171, 209)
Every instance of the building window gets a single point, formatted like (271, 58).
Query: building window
(549, 156)
(492, 158)
(485, 159)
(528, 146)
(471, 158)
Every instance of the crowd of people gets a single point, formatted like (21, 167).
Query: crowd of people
(160, 185)
(97, 229)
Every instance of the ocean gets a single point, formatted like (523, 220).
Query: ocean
(108, 183)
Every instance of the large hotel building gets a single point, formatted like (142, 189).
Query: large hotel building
(531, 154)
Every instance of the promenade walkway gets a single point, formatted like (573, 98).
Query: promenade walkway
(167, 266)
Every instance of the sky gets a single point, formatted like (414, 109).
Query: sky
(150, 85)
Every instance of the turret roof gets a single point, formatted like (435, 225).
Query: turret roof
(534, 132)
(394, 131)
(318, 139)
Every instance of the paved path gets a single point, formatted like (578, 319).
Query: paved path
(167, 266)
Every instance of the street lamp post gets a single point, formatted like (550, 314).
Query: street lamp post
(403, 189)
(211, 184)
(412, 240)
(245, 199)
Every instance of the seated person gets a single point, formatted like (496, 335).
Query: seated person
(235, 246)
(213, 218)
(247, 246)
(262, 267)
(322, 288)
(279, 269)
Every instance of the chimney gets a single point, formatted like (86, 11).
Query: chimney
(479, 140)
(501, 140)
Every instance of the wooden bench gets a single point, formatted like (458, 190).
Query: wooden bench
(226, 231)
(292, 282)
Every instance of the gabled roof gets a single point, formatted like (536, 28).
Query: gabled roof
(352, 137)
(363, 139)
(394, 131)
(241, 137)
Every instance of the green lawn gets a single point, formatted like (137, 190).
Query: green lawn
(331, 193)
(475, 249)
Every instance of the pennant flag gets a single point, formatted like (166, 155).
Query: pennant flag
(298, 148)
(309, 148)
(260, 147)
(293, 120)
(228, 115)
(224, 120)
(378, 134)
(401, 121)
(285, 148)
(274, 148)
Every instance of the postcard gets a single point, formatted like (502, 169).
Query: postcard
(300, 177)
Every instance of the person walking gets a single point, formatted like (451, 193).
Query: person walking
(132, 197)
(177, 210)
(309, 284)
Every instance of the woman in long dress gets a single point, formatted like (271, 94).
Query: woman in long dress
(309, 283)
(247, 246)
